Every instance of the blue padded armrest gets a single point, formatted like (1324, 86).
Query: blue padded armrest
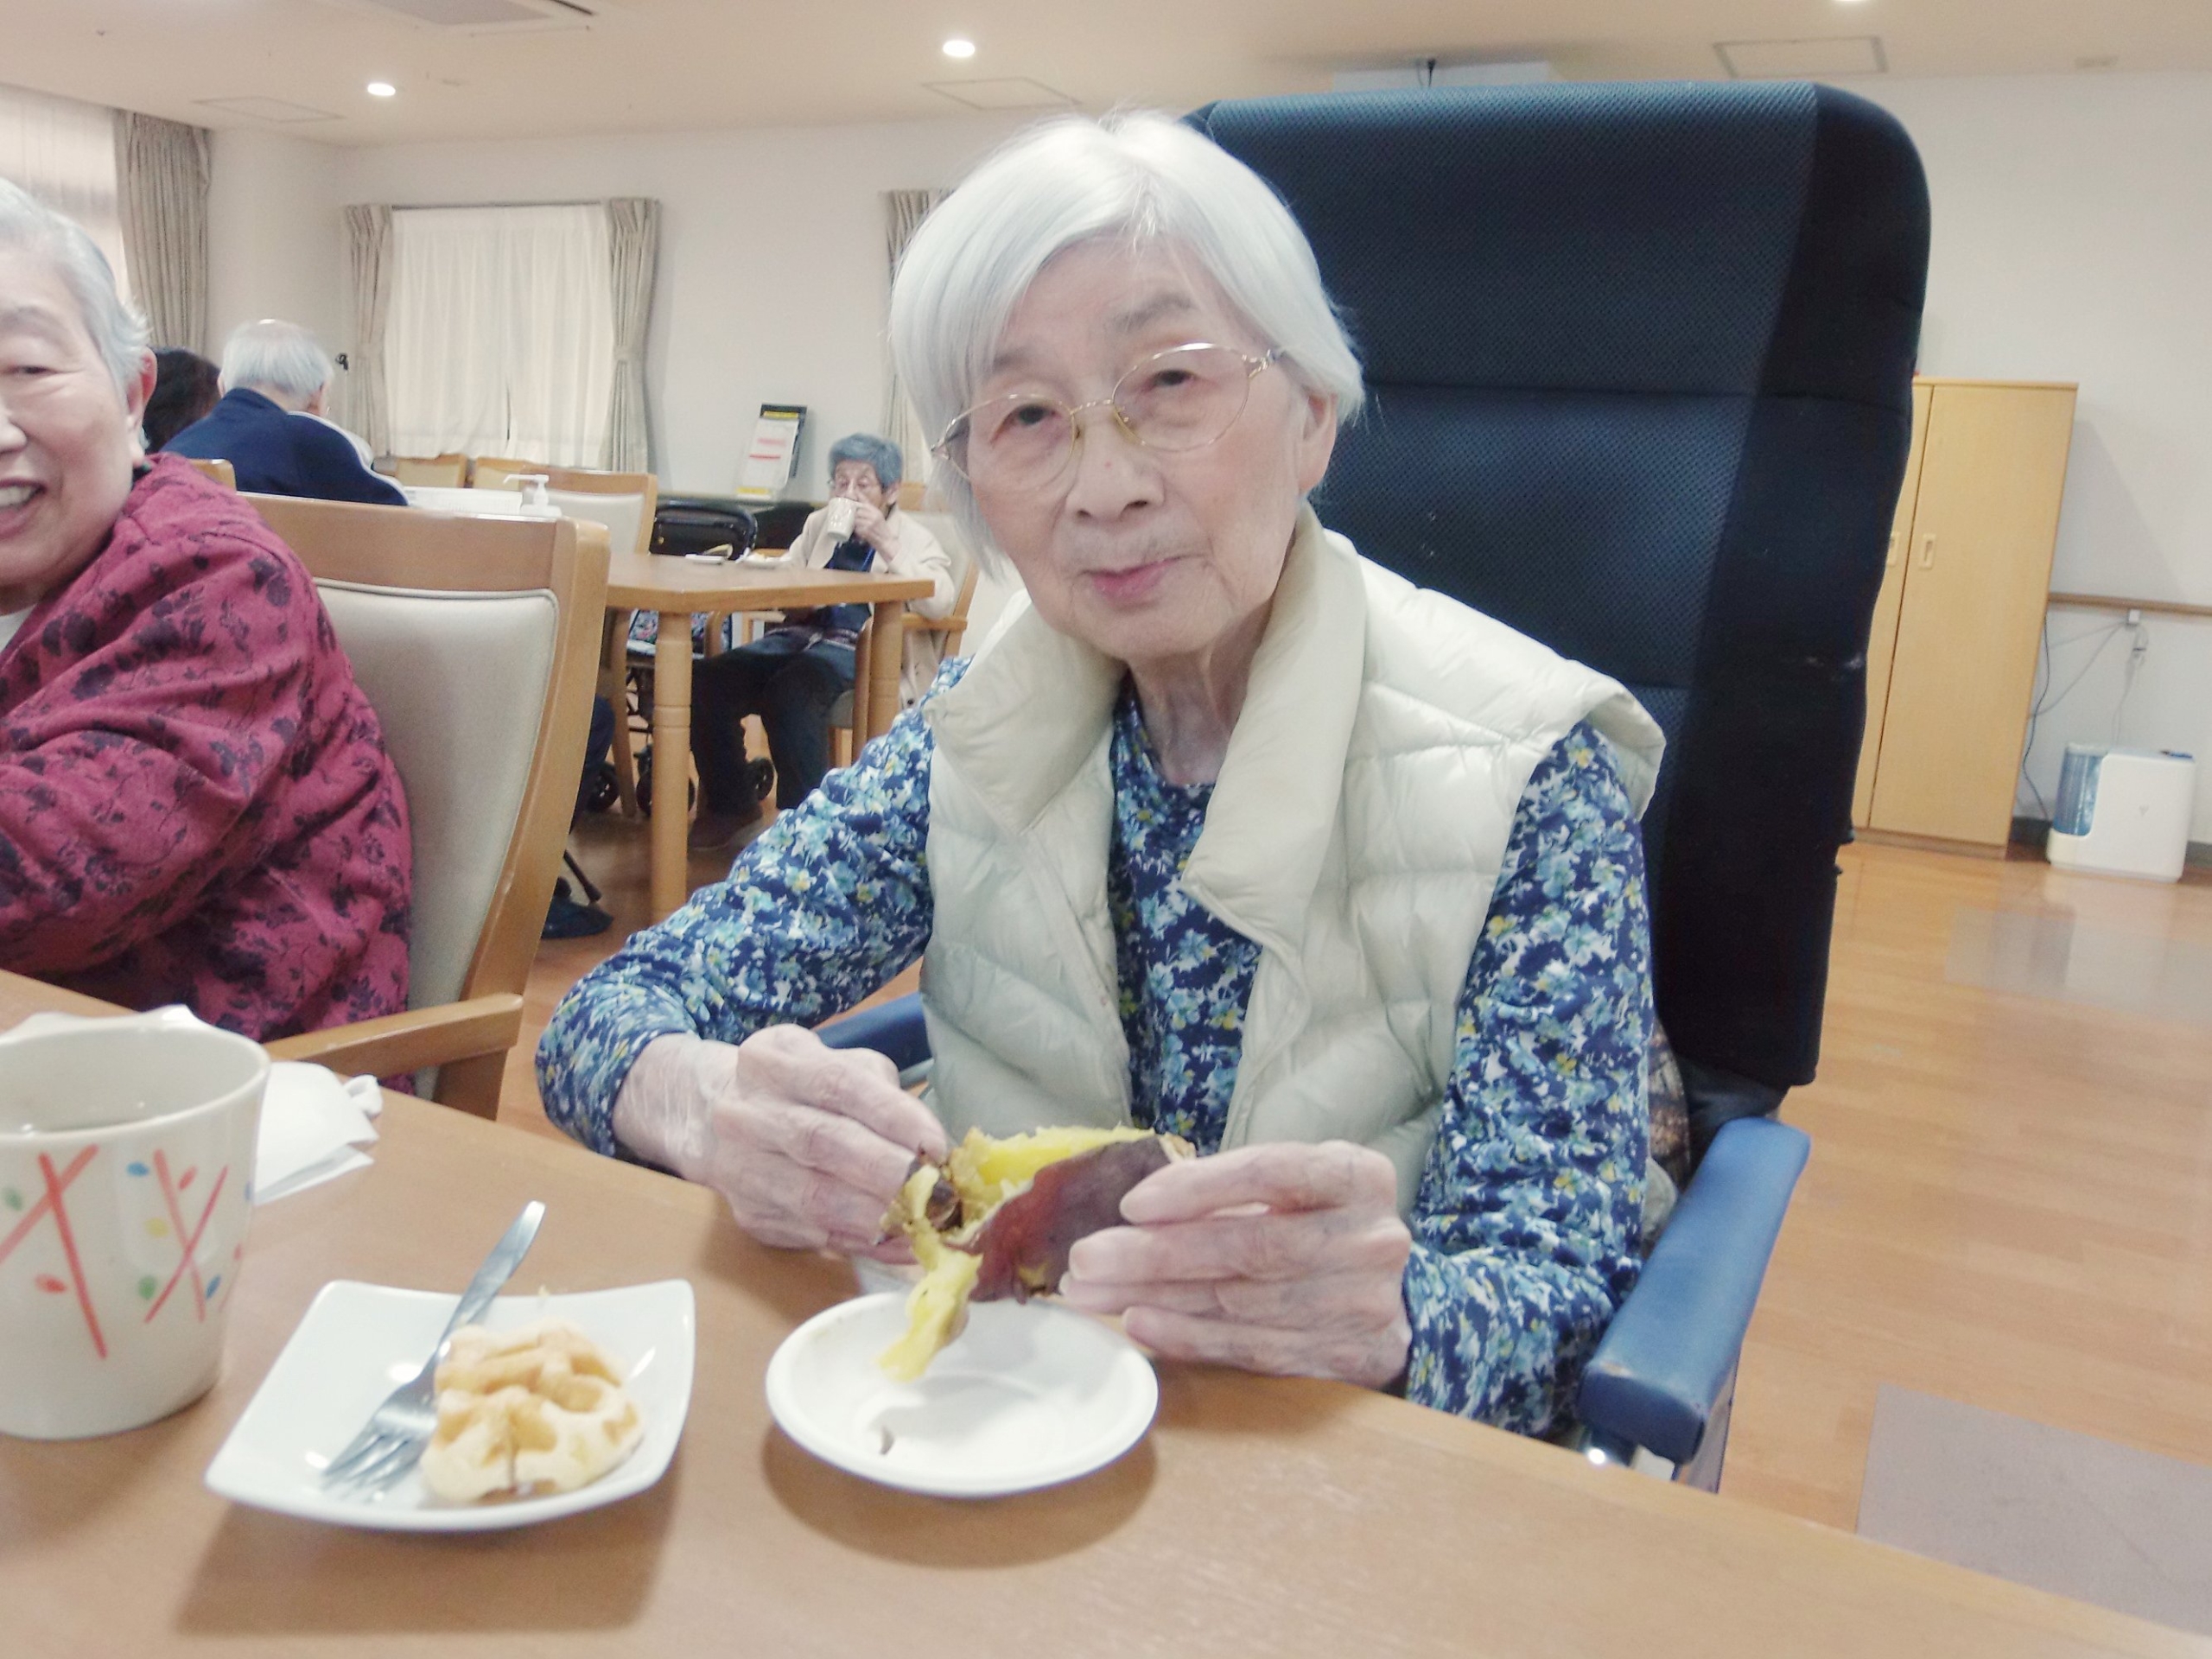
(894, 1028)
(1662, 1372)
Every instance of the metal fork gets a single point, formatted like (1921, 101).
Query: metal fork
(391, 1442)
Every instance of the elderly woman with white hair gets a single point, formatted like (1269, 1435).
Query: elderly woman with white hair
(271, 424)
(195, 801)
(1232, 833)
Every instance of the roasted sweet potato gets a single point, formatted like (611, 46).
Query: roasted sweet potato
(999, 1218)
(1024, 1243)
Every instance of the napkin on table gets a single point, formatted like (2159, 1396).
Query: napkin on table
(313, 1126)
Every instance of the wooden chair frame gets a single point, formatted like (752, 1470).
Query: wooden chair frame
(449, 471)
(953, 625)
(407, 548)
(221, 471)
(499, 472)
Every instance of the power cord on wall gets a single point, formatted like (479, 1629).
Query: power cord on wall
(2136, 654)
(2046, 700)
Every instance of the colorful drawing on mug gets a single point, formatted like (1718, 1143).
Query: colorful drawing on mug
(188, 1238)
(55, 1204)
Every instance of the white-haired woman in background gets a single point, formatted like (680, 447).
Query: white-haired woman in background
(271, 424)
(1233, 834)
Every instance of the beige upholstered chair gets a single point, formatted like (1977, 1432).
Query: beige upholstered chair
(475, 640)
(624, 502)
(446, 472)
(628, 514)
(950, 629)
(220, 471)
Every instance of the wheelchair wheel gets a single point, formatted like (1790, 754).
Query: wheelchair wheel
(601, 789)
(645, 784)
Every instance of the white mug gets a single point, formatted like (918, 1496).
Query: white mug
(127, 1182)
(837, 517)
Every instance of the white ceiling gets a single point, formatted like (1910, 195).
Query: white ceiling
(662, 65)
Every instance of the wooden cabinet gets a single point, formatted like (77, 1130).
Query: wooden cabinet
(1951, 663)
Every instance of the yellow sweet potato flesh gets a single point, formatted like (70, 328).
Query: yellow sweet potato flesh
(986, 1172)
(936, 1308)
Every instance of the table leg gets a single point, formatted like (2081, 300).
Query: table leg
(887, 656)
(614, 686)
(671, 761)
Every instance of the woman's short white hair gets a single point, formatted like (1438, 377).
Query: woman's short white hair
(1138, 175)
(118, 331)
(278, 356)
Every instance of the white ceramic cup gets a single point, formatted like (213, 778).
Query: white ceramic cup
(837, 517)
(126, 1181)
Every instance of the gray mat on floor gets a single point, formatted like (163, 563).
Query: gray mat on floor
(2044, 1507)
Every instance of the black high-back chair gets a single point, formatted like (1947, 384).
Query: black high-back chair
(1639, 360)
(1639, 363)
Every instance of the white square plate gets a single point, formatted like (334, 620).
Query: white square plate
(360, 1342)
(1029, 1395)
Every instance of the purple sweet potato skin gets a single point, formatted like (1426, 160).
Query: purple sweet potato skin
(1071, 1199)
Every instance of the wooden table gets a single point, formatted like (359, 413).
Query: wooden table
(1259, 1517)
(679, 589)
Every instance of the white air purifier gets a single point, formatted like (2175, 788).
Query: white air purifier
(2123, 812)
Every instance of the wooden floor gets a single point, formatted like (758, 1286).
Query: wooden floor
(2010, 1200)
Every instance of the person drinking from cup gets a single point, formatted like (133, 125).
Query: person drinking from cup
(793, 675)
(1232, 833)
(196, 802)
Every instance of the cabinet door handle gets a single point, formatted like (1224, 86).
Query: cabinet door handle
(1927, 552)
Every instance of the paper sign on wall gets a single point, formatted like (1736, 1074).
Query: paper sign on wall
(773, 456)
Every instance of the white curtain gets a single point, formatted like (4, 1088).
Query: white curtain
(63, 153)
(501, 339)
(633, 234)
(368, 254)
(903, 213)
(161, 188)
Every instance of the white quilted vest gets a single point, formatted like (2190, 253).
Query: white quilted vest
(1355, 834)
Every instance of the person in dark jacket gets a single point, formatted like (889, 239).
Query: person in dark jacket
(270, 425)
(186, 389)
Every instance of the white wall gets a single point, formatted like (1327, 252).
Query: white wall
(2073, 241)
(275, 236)
(773, 275)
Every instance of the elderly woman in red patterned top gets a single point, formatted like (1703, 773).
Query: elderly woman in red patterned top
(195, 801)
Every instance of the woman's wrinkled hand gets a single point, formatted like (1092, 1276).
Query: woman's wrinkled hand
(871, 524)
(808, 1144)
(1284, 1258)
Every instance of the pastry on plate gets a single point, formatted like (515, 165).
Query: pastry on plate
(536, 1410)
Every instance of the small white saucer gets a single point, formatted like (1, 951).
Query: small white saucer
(1030, 1396)
(358, 1342)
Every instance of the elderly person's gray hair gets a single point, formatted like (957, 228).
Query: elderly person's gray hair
(1137, 176)
(118, 331)
(880, 452)
(273, 356)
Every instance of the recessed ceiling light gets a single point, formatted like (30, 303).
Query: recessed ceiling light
(956, 48)
(382, 89)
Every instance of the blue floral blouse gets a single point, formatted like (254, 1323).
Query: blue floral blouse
(1525, 1227)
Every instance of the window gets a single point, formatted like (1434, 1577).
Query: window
(501, 335)
(63, 153)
